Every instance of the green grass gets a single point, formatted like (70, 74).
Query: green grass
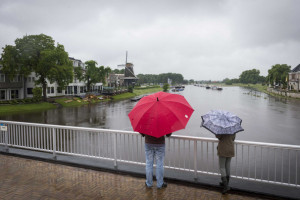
(11, 109)
(259, 87)
(74, 102)
(136, 92)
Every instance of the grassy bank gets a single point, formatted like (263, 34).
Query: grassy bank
(71, 102)
(258, 87)
(12, 109)
(136, 92)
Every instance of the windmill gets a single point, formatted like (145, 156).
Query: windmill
(129, 76)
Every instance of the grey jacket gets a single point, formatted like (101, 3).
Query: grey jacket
(226, 145)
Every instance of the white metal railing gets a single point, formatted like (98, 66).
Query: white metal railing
(265, 162)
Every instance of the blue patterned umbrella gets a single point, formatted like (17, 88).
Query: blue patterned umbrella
(221, 122)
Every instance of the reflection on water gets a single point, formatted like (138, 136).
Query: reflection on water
(265, 118)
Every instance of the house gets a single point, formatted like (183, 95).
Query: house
(115, 80)
(294, 79)
(21, 87)
(75, 88)
(11, 89)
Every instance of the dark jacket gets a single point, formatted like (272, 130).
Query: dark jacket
(153, 140)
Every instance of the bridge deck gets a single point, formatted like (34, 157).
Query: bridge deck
(23, 178)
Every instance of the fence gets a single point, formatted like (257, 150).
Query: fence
(265, 162)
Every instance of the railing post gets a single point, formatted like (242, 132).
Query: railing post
(195, 160)
(54, 143)
(6, 140)
(115, 150)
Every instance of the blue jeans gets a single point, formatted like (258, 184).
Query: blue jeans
(155, 151)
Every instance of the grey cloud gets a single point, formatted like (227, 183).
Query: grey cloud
(199, 39)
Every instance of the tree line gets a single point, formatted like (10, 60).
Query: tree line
(39, 54)
(161, 78)
(277, 75)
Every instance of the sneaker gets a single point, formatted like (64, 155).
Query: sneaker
(164, 185)
(147, 186)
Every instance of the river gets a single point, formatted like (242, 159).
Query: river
(265, 118)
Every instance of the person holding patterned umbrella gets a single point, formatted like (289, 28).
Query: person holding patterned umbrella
(224, 125)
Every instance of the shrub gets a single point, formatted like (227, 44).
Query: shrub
(166, 87)
(130, 89)
(37, 94)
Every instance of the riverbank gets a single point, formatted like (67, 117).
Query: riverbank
(36, 107)
(258, 87)
(73, 101)
(270, 91)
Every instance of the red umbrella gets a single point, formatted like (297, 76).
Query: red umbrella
(160, 114)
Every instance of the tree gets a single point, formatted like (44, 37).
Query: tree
(92, 74)
(166, 87)
(37, 53)
(250, 76)
(278, 74)
(78, 73)
(118, 71)
(55, 66)
(227, 81)
(161, 78)
(107, 71)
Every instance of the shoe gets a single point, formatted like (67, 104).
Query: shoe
(148, 186)
(226, 188)
(164, 185)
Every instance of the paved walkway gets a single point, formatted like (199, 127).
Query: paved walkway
(22, 178)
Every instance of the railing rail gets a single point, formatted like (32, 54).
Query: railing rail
(264, 162)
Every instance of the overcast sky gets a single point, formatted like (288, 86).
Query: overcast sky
(202, 40)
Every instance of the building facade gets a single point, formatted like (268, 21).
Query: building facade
(20, 87)
(294, 79)
(11, 89)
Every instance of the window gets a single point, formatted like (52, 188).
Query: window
(52, 90)
(2, 95)
(48, 90)
(70, 90)
(17, 78)
(81, 89)
(2, 78)
(59, 90)
(29, 79)
(29, 91)
(14, 94)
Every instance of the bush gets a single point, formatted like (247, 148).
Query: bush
(166, 87)
(130, 89)
(28, 100)
(13, 102)
(37, 94)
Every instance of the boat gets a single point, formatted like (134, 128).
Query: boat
(137, 98)
(178, 88)
(214, 87)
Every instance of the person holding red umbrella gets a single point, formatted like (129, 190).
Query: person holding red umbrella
(155, 116)
(155, 148)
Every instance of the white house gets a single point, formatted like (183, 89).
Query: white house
(294, 79)
(20, 88)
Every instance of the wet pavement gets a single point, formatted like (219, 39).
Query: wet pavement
(23, 178)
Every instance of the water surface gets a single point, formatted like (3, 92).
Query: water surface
(265, 118)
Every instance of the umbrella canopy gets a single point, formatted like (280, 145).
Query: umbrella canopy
(221, 122)
(160, 114)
